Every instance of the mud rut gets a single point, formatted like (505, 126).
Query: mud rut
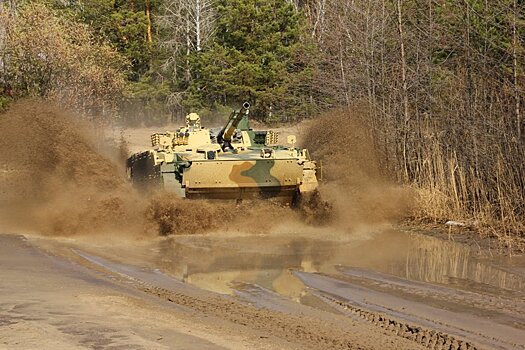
(279, 324)
(303, 329)
(431, 339)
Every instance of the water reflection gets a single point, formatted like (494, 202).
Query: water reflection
(216, 263)
(433, 260)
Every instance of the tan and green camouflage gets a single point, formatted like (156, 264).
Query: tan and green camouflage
(238, 163)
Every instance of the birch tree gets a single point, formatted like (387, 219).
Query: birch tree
(188, 25)
(262, 53)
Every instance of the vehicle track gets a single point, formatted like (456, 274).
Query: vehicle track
(414, 325)
(494, 303)
(329, 331)
(429, 338)
(321, 329)
(430, 325)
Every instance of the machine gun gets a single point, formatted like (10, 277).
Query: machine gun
(224, 138)
(189, 163)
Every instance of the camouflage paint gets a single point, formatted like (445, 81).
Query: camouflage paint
(258, 175)
(255, 168)
(255, 174)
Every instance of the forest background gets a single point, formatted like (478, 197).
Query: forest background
(438, 84)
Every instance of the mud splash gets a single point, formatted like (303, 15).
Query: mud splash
(172, 215)
(360, 191)
(60, 177)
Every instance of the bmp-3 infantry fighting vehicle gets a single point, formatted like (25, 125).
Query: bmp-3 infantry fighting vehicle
(234, 163)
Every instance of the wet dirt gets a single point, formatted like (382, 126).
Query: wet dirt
(47, 302)
(66, 298)
(414, 286)
(252, 276)
(214, 261)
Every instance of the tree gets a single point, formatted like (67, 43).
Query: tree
(187, 26)
(131, 27)
(54, 57)
(126, 24)
(444, 83)
(260, 53)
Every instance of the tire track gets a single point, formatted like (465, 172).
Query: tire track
(429, 325)
(496, 304)
(301, 330)
(429, 338)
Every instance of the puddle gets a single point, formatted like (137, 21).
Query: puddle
(218, 263)
(419, 281)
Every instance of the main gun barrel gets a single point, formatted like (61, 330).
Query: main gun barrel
(225, 135)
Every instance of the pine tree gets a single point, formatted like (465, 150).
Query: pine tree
(260, 55)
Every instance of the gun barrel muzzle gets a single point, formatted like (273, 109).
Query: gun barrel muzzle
(246, 105)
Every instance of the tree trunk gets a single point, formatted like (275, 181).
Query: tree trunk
(403, 62)
(515, 69)
(198, 25)
(188, 50)
(148, 16)
(406, 115)
(468, 63)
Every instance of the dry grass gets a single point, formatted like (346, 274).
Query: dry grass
(487, 196)
(479, 181)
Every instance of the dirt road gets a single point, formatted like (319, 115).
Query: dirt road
(51, 302)
(91, 272)
(254, 292)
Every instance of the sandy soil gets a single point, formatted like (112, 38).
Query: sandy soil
(375, 289)
(50, 302)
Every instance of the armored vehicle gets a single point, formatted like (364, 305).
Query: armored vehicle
(234, 162)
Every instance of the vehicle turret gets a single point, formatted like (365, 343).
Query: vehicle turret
(238, 163)
(225, 135)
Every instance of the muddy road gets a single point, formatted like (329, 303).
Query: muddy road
(376, 289)
(64, 298)
(82, 264)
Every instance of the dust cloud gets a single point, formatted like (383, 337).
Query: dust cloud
(57, 175)
(358, 190)
(60, 177)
